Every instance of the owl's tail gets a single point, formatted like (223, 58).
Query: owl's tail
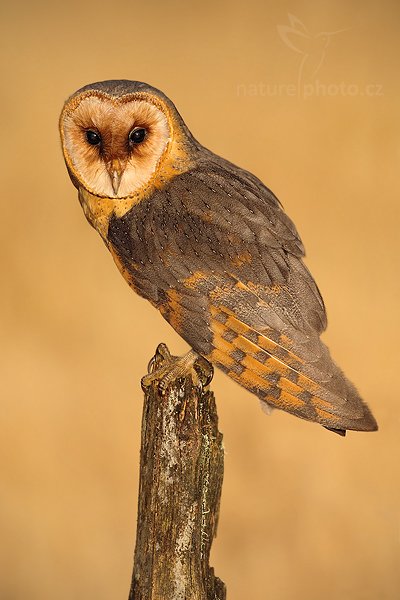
(301, 380)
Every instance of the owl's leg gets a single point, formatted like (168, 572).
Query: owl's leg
(165, 368)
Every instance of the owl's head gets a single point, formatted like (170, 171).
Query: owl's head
(117, 135)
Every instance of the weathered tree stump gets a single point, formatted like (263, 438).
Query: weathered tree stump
(181, 473)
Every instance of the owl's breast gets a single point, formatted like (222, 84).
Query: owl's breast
(99, 210)
(138, 251)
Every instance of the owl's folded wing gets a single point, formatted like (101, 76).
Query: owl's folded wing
(284, 367)
(223, 263)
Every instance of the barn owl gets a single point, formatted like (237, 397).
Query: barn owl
(209, 245)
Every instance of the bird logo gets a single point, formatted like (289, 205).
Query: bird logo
(311, 47)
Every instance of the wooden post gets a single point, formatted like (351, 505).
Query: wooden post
(181, 472)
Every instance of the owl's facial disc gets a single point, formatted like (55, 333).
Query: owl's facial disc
(113, 146)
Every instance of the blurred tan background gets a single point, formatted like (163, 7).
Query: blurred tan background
(305, 514)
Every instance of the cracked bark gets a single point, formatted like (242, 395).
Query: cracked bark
(181, 472)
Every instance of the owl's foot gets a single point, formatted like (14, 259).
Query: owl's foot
(165, 368)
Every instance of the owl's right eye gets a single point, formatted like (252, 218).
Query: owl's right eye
(93, 137)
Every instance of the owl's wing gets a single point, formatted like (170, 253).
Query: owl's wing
(225, 220)
(226, 271)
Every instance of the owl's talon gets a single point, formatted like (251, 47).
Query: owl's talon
(145, 383)
(165, 368)
(204, 370)
(161, 355)
(151, 365)
(163, 352)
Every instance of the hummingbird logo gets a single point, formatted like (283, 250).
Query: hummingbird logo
(311, 47)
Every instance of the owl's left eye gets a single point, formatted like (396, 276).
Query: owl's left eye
(93, 137)
(137, 135)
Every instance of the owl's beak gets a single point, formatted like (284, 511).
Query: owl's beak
(115, 170)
